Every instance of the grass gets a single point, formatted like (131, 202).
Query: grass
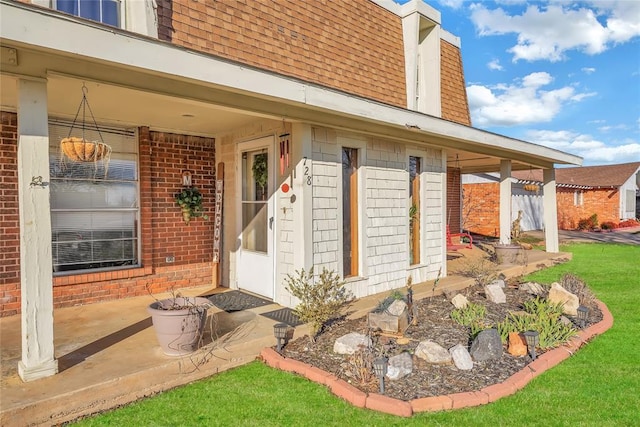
(598, 386)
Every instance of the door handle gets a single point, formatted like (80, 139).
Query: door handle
(271, 223)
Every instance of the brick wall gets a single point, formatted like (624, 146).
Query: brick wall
(163, 156)
(453, 214)
(455, 106)
(350, 45)
(603, 202)
(9, 219)
(481, 208)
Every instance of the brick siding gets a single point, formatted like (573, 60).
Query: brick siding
(163, 156)
(603, 202)
(482, 208)
(9, 218)
(354, 46)
(453, 214)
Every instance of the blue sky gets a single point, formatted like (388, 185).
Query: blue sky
(564, 74)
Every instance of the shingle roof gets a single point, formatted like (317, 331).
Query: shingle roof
(591, 176)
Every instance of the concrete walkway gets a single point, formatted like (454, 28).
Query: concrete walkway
(108, 354)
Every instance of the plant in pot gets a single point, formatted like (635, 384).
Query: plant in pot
(179, 323)
(190, 201)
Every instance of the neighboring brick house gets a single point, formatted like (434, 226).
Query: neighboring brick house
(609, 191)
(333, 121)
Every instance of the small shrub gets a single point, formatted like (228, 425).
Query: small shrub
(320, 301)
(359, 366)
(472, 316)
(577, 287)
(608, 225)
(542, 316)
(588, 223)
(483, 271)
(629, 223)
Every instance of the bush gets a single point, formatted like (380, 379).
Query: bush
(320, 301)
(588, 223)
(629, 223)
(608, 225)
(577, 287)
(542, 316)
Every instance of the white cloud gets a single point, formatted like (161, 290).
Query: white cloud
(495, 65)
(519, 103)
(548, 31)
(588, 70)
(591, 150)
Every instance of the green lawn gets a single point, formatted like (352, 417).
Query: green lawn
(599, 385)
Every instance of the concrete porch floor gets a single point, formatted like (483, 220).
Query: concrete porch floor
(108, 354)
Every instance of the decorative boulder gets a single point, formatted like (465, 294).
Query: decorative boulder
(461, 357)
(569, 301)
(460, 301)
(433, 353)
(517, 344)
(495, 294)
(499, 282)
(350, 343)
(394, 320)
(397, 307)
(486, 346)
(533, 288)
(399, 366)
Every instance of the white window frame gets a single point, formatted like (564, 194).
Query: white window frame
(578, 198)
(105, 131)
(139, 16)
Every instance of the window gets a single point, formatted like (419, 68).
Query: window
(414, 210)
(630, 203)
(350, 211)
(105, 11)
(578, 198)
(94, 205)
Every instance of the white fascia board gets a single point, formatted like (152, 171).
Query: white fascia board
(450, 38)
(422, 8)
(49, 29)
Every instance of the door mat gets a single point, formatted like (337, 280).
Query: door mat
(237, 301)
(283, 315)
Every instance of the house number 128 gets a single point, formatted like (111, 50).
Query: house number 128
(307, 175)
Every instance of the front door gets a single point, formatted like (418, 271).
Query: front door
(255, 266)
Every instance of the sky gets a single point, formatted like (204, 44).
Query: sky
(564, 74)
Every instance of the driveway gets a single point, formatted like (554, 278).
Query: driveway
(627, 236)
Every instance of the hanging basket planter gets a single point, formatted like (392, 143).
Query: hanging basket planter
(81, 150)
(531, 187)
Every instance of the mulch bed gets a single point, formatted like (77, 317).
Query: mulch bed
(434, 323)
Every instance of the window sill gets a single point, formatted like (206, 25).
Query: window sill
(80, 277)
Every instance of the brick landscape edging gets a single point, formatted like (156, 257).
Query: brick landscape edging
(402, 408)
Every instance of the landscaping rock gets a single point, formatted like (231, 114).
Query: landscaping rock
(569, 301)
(433, 353)
(349, 344)
(461, 357)
(486, 346)
(460, 301)
(397, 307)
(495, 294)
(400, 366)
(499, 282)
(533, 288)
(517, 344)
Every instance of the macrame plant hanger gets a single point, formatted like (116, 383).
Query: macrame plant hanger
(81, 150)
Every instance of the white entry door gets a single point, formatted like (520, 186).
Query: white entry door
(255, 266)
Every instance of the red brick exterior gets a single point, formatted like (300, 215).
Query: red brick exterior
(350, 45)
(455, 106)
(482, 207)
(9, 218)
(481, 212)
(603, 202)
(162, 158)
(453, 214)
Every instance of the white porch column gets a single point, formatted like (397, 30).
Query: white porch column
(36, 281)
(550, 209)
(505, 202)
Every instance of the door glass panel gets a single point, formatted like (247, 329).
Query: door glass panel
(255, 190)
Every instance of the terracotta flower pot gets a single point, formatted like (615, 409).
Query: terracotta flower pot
(508, 254)
(179, 323)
